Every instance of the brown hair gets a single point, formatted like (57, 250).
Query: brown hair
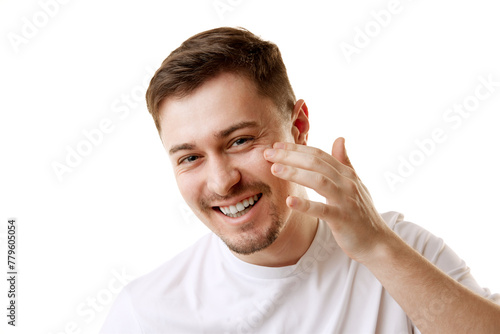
(209, 53)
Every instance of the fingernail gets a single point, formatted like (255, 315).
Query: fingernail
(269, 152)
(277, 168)
(291, 201)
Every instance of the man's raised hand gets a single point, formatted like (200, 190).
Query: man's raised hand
(349, 211)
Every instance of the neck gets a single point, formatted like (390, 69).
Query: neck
(294, 240)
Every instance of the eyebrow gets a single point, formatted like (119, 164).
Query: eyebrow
(181, 147)
(219, 135)
(227, 132)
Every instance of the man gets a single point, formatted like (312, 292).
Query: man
(277, 262)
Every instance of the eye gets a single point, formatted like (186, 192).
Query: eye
(240, 141)
(188, 159)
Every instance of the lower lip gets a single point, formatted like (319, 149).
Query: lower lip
(242, 219)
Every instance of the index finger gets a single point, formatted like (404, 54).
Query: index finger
(313, 151)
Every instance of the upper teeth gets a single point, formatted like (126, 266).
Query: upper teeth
(240, 206)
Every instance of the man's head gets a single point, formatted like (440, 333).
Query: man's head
(215, 128)
(212, 52)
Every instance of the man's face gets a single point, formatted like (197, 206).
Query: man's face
(215, 138)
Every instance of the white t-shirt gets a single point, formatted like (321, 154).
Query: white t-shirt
(206, 289)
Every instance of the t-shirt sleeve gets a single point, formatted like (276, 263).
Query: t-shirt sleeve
(121, 318)
(436, 251)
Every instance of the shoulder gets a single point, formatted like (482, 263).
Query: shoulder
(160, 292)
(414, 235)
(434, 249)
(178, 270)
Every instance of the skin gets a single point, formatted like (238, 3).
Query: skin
(223, 170)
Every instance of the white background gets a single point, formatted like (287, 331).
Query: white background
(119, 211)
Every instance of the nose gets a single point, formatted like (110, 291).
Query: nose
(222, 176)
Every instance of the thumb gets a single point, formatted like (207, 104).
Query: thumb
(339, 152)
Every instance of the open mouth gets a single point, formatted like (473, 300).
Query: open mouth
(240, 208)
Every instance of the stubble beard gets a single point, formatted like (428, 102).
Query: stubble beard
(250, 238)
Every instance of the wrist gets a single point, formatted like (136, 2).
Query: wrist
(384, 251)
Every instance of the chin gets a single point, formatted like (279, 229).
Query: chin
(251, 239)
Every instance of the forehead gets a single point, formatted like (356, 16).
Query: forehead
(219, 103)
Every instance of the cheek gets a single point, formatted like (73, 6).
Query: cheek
(255, 164)
(189, 187)
(259, 169)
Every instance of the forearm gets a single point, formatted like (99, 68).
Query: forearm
(435, 302)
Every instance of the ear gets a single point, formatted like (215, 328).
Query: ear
(300, 122)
